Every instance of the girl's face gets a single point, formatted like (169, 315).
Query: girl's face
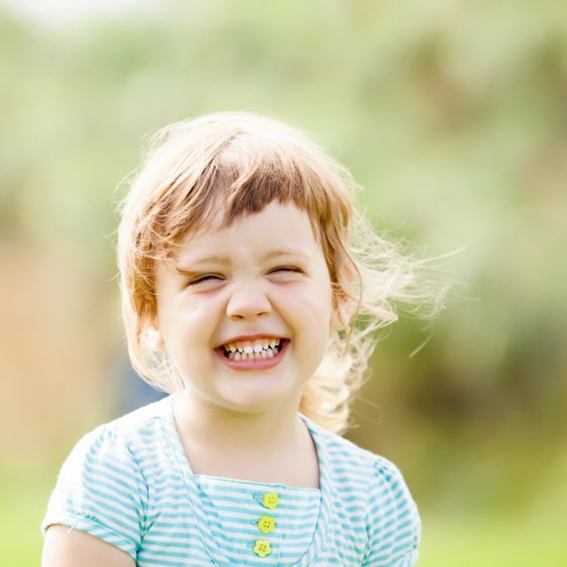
(264, 276)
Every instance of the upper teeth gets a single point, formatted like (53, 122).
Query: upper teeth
(252, 346)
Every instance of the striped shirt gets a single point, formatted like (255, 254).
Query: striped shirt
(129, 483)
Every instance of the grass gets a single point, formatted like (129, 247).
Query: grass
(493, 541)
(24, 497)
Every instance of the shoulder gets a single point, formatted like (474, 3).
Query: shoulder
(101, 486)
(138, 423)
(382, 480)
(116, 442)
(345, 460)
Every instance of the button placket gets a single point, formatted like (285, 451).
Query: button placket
(266, 524)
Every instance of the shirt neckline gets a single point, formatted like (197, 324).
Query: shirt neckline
(184, 466)
(256, 484)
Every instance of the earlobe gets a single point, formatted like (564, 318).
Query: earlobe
(340, 318)
(153, 339)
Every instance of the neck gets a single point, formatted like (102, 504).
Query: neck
(203, 424)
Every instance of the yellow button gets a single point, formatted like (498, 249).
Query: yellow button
(271, 500)
(262, 547)
(266, 524)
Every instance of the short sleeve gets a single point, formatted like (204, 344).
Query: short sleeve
(100, 491)
(393, 522)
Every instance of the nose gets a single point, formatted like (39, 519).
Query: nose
(248, 303)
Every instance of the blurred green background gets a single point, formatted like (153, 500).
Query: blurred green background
(452, 114)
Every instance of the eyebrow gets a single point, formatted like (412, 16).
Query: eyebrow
(222, 259)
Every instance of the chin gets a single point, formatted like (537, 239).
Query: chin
(254, 401)
(252, 404)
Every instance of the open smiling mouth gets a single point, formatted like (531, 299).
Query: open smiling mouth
(252, 355)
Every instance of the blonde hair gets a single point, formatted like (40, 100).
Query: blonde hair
(245, 161)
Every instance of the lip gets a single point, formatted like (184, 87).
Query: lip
(244, 365)
(250, 338)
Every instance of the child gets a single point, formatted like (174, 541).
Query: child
(250, 291)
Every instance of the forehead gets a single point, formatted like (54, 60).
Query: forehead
(276, 227)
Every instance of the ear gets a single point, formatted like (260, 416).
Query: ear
(153, 338)
(342, 314)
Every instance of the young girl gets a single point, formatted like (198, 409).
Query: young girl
(251, 288)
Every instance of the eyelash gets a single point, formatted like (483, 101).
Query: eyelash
(210, 276)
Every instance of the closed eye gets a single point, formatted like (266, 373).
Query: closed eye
(287, 269)
(204, 279)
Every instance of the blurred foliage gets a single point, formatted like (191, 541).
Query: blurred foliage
(452, 115)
